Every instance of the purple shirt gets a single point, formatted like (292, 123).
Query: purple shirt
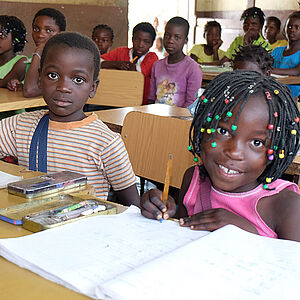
(175, 84)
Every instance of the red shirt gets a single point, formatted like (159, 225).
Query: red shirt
(122, 54)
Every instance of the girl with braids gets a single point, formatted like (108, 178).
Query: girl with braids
(12, 41)
(246, 132)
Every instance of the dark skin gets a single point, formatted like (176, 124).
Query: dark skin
(142, 42)
(67, 81)
(293, 35)
(244, 153)
(271, 31)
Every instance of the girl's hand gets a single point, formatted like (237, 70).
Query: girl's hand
(250, 36)
(214, 219)
(217, 45)
(153, 208)
(14, 85)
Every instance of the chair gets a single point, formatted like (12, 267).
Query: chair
(119, 88)
(149, 139)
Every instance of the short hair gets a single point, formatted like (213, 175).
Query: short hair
(145, 27)
(179, 21)
(13, 25)
(255, 54)
(295, 14)
(228, 90)
(55, 14)
(211, 24)
(254, 12)
(74, 40)
(104, 27)
(275, 20)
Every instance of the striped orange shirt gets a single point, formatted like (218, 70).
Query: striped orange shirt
(87, 146)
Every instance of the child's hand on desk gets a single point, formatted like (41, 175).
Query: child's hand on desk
(127, 66)
(153, 208)
(214, 219)
(14, 85)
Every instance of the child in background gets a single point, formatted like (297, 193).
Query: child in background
(103, 36)
(211, 50)
(138, 58)
(253, 58)
(12, 41)
(176, 78)
(159, 48)
(69, 72)
(272, 29)
(287, 59)
(246, 132)
(46, 23)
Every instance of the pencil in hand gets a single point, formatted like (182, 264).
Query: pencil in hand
(134, 59)
(167, 179)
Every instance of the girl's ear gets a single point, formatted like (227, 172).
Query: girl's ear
(94, 88)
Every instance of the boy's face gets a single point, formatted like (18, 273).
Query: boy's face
(102, 38)
(66, 81)
(271, 30)
(142, 42)
(174, 38)
(43, 28)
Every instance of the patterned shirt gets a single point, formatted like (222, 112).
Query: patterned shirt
(85, 146)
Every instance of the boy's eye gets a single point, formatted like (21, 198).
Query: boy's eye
(78, 80)
(36, 29)
(222, 131)
(257, 143)
(49, 30)
(52, 75)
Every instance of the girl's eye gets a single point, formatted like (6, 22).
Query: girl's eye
(35, 29)
(222, 131)
(78, 80)
(257, 143)
(52, 76)
(49, 30)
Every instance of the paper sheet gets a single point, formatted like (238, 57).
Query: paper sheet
(6, 178)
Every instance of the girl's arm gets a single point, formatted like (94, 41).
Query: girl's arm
(17, 72)
(289, 72)
(216, 50)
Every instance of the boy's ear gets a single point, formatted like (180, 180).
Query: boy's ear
(93, 89)
(186, 40)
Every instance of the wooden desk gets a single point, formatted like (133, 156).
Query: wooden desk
(14, 100)
(114, 118)
(18, 283)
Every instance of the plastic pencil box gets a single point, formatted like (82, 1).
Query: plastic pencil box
(41, 214)
(48, 184)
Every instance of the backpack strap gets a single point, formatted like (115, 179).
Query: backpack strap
(39, 143)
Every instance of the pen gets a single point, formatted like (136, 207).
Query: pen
(73, 207)
(134, 59)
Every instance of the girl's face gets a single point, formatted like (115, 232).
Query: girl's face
(212, 36)
(252, 24)
(174, 38)
(5, 41)
(102, 38)
(240, 156)
(43, 28)
(293, 29)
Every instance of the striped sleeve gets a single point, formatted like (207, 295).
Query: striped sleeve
(8, 136)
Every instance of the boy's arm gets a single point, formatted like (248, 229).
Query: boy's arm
(129, 196)
(17, 72)
(152, 89)
(194, 80)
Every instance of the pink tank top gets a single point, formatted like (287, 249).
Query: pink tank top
(242, 204)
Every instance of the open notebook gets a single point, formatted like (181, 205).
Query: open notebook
(127, 256)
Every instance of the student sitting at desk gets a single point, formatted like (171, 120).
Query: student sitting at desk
(138, 58)
(103, 36)
(66, 138)
(46, 23)
(176, 78)
(254, 19)
(235, 133)
(287, 59)
(211, 50)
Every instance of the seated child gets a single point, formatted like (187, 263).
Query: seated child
(12, 41)
(272, 29)
(246, 132)
(254, 19)
(138, 58)
(211, 50)
(103, 36)
(68, 139)
(176, 78)
(46, 23)
(287, 59)
(253, 58)
(159, 48)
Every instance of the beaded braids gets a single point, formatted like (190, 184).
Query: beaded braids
(13, 25)
(254, 12)
(229, 89)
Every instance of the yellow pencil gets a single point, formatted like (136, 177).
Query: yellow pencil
(134, 59)
(167, 179)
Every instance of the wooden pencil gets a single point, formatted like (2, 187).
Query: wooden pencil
(167, 179)
(133, 60)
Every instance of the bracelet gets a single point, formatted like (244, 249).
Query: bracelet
(37, 54)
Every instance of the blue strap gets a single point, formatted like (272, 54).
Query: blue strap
(39, 143)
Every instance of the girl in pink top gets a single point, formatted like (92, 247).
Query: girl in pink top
(246, 132)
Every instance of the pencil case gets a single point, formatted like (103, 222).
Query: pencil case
(47, 184)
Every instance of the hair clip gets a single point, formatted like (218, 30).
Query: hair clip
(268, 95)
(275, 114)
(202, 129)
(276, 92)
(213, 130)
(226, 101)
(229, 114)
(196, 159)
(217, 117)
(208, 131)
(212, 99)
(271, 126)
(294, 131)
(296, 119)
(189, 148)
(233, 127)
(268, 180)
(208, 119)
(270, 157)
(214, 144)
(265, 186)
(281, 154)
(270, 151)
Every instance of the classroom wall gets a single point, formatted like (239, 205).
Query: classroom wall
(81, 15)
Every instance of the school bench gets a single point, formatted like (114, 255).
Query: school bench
(119, 88)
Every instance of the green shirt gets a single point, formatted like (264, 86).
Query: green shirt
(198, 50)
(239, 41)
(6, 68)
